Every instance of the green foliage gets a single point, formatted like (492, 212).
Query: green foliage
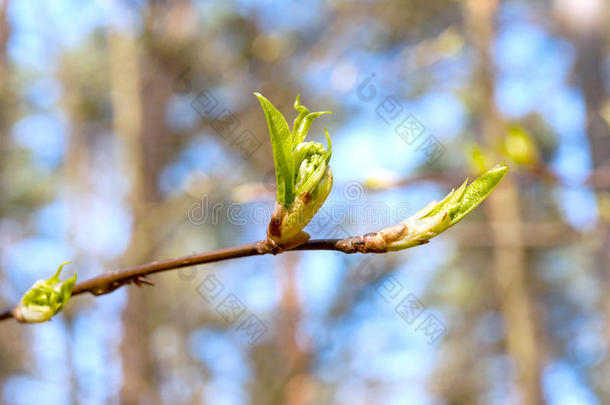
(282, 146)
(45, 298)
(302, 172)
(436, 217)
(299, 165)
(303, 122)
(304, 181)
(463, 200)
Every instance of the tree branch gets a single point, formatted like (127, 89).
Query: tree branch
(106, 283)
(416, 230)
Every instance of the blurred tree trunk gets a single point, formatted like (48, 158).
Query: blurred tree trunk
(5, 31)
(11, 337)
(5, 95)
(589, 35)
(509, 255)
(297, 389)
(139, 113)
(75, 172)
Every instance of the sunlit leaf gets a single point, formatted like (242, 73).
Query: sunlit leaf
(45, 298)
(303, 189)
(303, 111)
(281, 143)
(436, 217)
(477, 191)
(305, 124)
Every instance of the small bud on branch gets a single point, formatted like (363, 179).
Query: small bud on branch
(45, 299)
(303, 176)
(429, 222)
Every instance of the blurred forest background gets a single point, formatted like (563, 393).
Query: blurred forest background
(129, 133)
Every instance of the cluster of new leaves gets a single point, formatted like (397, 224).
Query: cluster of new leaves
(300, 168)
(302, 173)
(45, 298)
(299, 165)
(436, 217)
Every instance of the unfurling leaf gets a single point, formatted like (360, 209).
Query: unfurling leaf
(281, 144)
(476, 192)
(436, 217)
(302, 170)
(45, 298)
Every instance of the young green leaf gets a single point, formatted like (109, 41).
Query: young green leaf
(303, 189)
(45, 298)
(305, 124)
(281, 143)
(303, 111)
(329, 147)
(448, 203)
(477, 191)
(437, 217)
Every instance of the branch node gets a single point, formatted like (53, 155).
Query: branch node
(368, 243)
(268, 246)
(143, 280)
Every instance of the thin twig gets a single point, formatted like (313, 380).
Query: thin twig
(106, 283)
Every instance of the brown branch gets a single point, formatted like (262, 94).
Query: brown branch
(106, 283)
